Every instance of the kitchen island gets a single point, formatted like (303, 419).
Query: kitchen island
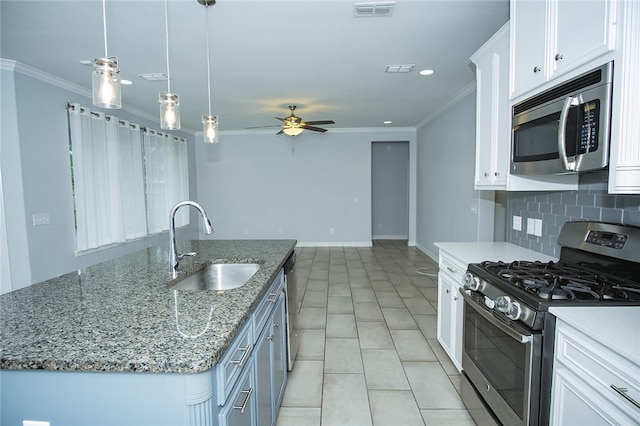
(109, 344)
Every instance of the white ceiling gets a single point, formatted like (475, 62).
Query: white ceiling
(266, 54)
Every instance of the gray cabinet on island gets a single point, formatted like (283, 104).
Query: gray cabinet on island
(114, 344)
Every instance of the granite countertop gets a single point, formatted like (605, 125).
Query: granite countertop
(120, 315)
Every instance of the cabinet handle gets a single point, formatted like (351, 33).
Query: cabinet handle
(245, 355)
(486, 174)
(497, 173)
(273, 297)
(246, 400)
(447, 291)
(451, 269)
(270, 337)
(559, 57)
(455, 298)
(276, 324)
(536, 69)
(623, 392)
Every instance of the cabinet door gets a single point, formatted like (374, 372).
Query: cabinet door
(264, 380)
(444, 313)
(528, 41)
(582, 33)
(279, 354)
(484, 120)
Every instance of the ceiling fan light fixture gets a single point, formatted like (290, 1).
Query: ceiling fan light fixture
(105, 83)
(292, 131)
(210, 128)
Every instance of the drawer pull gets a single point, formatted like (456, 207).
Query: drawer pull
(623, 392)
(245, 355)
(451, 269)
(270, 337)
(246, 400)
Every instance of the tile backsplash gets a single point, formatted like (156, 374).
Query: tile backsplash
(590, 202)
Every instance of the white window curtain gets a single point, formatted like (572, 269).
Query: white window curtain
(5, 272)
(167, 178)
(109, 208)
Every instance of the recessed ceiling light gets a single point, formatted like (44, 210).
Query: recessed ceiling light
(426, 72)
(86, 62)
(387, 122)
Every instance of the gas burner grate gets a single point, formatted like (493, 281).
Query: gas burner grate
(555, 281)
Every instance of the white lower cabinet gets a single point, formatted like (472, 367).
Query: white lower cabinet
(255, 369)
(450, 306)
(590, 382)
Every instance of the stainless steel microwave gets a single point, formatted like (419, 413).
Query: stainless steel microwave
(565, 129)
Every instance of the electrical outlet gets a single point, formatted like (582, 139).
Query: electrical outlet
(41, 219)
(531, 226)
(517, 223)
(474, 208)
(537, 227)
(35, 423)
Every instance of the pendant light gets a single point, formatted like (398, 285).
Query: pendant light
(209, 122)
(105, 78)
(169, 102)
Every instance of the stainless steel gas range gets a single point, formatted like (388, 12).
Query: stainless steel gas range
(508, 340)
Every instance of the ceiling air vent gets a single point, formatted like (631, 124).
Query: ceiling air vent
(373, 9)
(399, 68)
(154, 76)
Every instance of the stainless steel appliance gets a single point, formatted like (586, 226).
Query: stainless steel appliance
(292, 309)
(508, 345)
(565, 129)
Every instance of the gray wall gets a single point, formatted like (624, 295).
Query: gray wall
(315, 188)
(446, 200)
(34, 156)
(589, 202)
(390, 190)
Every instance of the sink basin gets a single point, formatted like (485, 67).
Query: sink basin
(218, 276)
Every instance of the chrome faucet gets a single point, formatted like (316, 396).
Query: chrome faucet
(175, 256)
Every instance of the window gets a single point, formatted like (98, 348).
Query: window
(125, 179)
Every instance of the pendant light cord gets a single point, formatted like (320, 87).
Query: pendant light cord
(166, 32)
(104, 26)
(208, 58)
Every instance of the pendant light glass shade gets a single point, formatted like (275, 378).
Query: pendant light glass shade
(210, 128)
(105, 83)
(169, 111)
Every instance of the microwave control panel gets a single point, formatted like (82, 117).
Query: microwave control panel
(588, 135)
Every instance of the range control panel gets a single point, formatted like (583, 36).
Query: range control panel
(606, 239)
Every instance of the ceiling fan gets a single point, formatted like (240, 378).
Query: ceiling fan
(293, 125)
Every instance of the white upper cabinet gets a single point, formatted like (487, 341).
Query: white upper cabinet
(624, 164)
(493, 124)
(550, 38)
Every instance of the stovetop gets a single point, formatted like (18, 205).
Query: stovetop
(540, 284)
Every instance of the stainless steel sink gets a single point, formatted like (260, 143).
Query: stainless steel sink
(218, 276)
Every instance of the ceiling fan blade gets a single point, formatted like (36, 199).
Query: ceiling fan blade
(315, 129)
(281, 119)
(280, 132)
(320, 122)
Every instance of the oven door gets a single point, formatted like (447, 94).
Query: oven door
(502, 362)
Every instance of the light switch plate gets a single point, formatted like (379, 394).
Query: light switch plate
(531, 226)
(517, 223)
(41, 219)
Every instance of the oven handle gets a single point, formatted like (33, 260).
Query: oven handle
(522, 338)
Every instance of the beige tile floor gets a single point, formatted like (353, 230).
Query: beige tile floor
(368, 352)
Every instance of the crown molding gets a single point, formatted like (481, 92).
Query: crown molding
(462, 94)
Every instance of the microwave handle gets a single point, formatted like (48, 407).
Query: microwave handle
(562, 147)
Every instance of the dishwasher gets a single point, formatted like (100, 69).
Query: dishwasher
(292, 309)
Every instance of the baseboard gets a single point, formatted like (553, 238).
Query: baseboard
(389, 237)
(431, 255)
(335, 244)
